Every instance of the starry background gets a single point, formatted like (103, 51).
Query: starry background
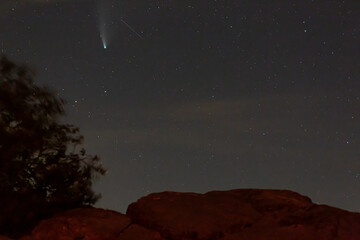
(215, 95)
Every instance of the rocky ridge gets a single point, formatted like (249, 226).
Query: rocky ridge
(249, 214)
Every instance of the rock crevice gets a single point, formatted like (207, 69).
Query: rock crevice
(125, 228)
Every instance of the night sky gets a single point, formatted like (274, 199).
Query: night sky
(203, 95)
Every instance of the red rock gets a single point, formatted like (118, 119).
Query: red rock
(5, 238)
(135, 232)
(89, 224)
(247, 214)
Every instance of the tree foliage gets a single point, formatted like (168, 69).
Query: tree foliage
(42, 169)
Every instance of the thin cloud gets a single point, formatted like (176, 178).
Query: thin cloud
(264, 123)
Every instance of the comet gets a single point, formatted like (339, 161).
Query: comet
(104, 19)
(103, 40)
(107, 22)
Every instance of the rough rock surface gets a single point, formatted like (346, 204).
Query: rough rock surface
(90, 224)
(248, 214)
(5, 238)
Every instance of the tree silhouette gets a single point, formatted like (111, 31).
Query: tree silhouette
(42, 171)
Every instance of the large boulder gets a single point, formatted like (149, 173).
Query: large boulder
(90, 224)
(248, 214)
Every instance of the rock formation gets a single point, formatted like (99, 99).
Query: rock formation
(4, 238)
(243, 214)
(247, 214)
(90, 224)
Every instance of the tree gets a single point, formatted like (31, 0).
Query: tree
(42, 171)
